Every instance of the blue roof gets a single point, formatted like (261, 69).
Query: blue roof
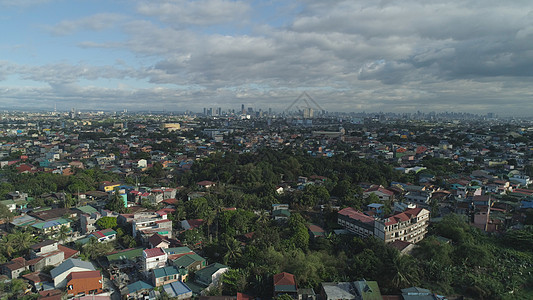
(176, 288)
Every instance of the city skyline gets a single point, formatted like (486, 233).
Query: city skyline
(178, 55)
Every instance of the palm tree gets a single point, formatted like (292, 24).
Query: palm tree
(210, 217)
(63, 233)
(263, 217)
(233, 250)
(21, 241)
(406, 272)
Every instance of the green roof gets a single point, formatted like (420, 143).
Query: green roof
(285, 288)
(166, 271)
(186, 260)
(281, 212)
(138, 286)
(369, 290)
(177, 250)
(87, 209)
(126, 254)
(206, 273)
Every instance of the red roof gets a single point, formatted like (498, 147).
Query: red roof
(205, 183)
(284, 279)
(84, 275)
(171, 201)
(403, 216)
(356, 215)
(378, 188)
(162, 221)
(315, 228)
(68, 252)
(154, 252)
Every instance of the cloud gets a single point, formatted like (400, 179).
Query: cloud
(349, 55)
(97, 22)
(201, 12)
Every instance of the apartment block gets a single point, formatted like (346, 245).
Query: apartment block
(410, 225)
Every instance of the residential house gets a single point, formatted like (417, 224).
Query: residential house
(38, 279)
(14, 267)
(418, 194)
(107, 186)
(84, 282)
(205, 184)
(210, 275)
(375, 209)
(101, 236)
(154, 258)
(60, 273)
(51, 226)
(136, 290)
(280, 212)
(158, 241)
(49, 252)
(190, 262)
(15, 205)
(165, 275)
(178, 290)
(191, 224)
(88, 218)
(414, 293)
(285, 283)
(356, 290)
(148, 224)
(316, 231)
(382, 193)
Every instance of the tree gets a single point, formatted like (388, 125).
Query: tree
(128, 241)
(94, 249)
(106, 222)
(63, 233)
(116, 203)
(5, 214)
(22, 241)
(233, 250)
(234, 281)
(298, 233)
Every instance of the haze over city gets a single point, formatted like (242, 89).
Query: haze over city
(391, 56)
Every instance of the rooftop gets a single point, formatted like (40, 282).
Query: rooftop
(154, 252)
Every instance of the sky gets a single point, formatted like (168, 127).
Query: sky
(471, 56)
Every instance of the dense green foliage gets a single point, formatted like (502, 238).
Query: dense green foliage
(106, 222)
(470, 263)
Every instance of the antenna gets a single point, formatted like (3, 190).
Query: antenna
(306, 98)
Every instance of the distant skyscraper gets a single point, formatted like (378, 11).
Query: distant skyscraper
(205, 111)
(242, 109)
(308, 113)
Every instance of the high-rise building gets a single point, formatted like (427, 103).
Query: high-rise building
(308, 113)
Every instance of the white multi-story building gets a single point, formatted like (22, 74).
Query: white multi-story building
(410, 225)
(151, 223)
(154, 258)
